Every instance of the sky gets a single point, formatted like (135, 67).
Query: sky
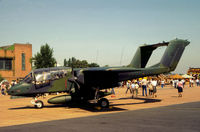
(107, 32)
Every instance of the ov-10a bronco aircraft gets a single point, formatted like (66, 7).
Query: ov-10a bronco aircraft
(86, 84)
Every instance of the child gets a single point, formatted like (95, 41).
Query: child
(180, 88)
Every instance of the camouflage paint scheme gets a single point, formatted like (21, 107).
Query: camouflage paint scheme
(82, 84)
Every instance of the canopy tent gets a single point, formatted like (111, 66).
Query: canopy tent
(187, 76)
(176, 76)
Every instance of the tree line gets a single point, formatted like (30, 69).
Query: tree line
(44, 59)
(76, 63)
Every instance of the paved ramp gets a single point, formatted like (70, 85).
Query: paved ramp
(174, 118)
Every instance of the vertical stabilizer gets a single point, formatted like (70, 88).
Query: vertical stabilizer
(173, 53)
(141, 57)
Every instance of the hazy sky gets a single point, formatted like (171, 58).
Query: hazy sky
(107, 32)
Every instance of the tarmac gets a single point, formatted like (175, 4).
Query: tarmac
(167, 112)
(176, 118)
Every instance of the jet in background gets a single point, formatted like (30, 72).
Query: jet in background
(86, 84)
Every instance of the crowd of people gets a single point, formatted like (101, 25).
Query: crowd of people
(5, 85)
(149, 87)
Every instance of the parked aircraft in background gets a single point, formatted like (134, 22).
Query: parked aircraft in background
(83, 85)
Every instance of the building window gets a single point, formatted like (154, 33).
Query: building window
(1, 64)
(23, 61)
(5, 64)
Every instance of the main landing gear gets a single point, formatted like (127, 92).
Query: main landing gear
(37, 103)
(103, 103)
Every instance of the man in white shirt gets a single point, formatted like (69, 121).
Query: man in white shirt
(144, 86)
(197, 82)
(154, 84)
(133, 89)
(162, 83)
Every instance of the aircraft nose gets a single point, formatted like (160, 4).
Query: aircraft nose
(9, 92)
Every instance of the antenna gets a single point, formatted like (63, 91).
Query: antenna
(122, 53)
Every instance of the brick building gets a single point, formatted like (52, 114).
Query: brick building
(15, 61)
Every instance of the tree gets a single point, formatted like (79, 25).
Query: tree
(106, 66)
(44, 58)
(93, 65)
(84, 63)
(75, 63)
(65, 62)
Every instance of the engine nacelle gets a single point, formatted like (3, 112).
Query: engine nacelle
(60, 99)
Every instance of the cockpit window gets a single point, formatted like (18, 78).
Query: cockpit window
(28, 78)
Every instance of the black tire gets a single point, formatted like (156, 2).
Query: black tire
(103, 103)
(39, 104)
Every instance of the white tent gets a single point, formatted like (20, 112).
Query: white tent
(187, 76)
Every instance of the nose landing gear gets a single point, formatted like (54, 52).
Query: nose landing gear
(37, 103)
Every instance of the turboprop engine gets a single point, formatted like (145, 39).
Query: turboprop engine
(60, 99)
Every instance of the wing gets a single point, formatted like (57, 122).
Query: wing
(103, 77)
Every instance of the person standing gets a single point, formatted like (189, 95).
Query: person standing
(144, 86)
(183, 81)
(150, 89)
(197, 82)
(136, 88)
(175, 83)
(133, 89)
(128, 85)
(154, 84)
(180, 88)
(191, 82)
(3, 89)
(113, 91)
(162, 84)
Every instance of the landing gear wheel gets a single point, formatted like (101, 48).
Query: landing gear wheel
(39, 104)
(103, 103)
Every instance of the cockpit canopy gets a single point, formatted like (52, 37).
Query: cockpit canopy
(47, 74)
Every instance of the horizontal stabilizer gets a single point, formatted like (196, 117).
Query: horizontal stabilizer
(143, 54)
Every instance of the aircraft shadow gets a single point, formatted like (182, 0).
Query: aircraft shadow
(146, 100)
(92, 107)
(88, 107)
(32, 107)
